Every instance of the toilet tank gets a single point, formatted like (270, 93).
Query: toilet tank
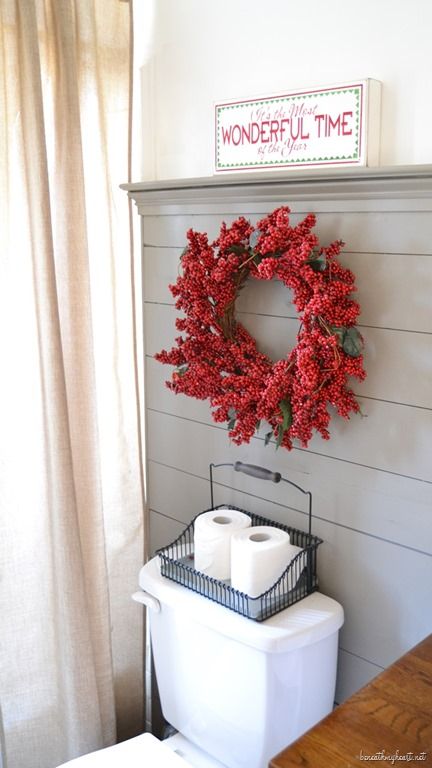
(238, 689)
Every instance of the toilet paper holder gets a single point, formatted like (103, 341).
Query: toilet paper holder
(297, 581)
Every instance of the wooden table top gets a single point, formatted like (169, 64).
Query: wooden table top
(386, 723)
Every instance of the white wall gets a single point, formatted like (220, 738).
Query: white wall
(196, 52)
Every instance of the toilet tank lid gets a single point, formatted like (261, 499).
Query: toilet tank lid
(311, 619)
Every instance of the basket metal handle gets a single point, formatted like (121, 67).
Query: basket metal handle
(262, 474)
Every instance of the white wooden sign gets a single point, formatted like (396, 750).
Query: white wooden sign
(337, 125)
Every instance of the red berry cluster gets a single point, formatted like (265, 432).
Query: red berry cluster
(217, 359)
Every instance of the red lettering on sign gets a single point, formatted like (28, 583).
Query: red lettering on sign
(282, 127)
(264, 123)
(319, 118)
(226, 135)
(344, 123)
(274, 128)
(328, 125)
(255, 126)
(333, 124)
(303, 135)
(239, 135)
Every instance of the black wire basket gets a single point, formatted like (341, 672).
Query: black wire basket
(297, 581)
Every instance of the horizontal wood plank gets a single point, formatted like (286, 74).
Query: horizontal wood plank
(366, 501)
(297, 205)
(374, 232)
(401, 436)
(393, 289)
(398, 363)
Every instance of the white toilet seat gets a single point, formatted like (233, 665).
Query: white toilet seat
(144, 751)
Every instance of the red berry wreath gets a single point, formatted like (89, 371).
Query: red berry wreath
(217, 359)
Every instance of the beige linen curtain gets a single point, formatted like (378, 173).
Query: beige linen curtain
(71, 496)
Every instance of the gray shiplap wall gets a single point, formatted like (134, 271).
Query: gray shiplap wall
(372, 482)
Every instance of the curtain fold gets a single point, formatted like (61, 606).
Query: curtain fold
(71, 496)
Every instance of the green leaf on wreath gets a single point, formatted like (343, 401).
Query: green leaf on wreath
(238, 250)
(184, 252)
(318, 265)
(339, 332)
(286, 409)
(231, 424)
(352, 343)
(317, 261)
(268, 437)
(181, 370)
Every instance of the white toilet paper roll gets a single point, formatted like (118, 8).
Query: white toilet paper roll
(212, 540)
(259, 556)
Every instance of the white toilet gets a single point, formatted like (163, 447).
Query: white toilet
(236, 690)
